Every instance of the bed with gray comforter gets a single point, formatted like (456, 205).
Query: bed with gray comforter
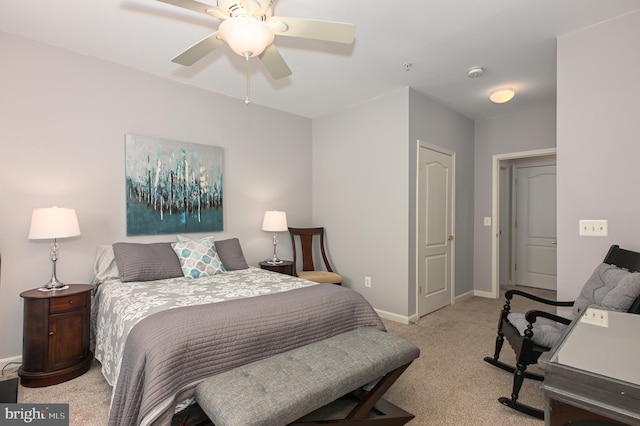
(157, 340)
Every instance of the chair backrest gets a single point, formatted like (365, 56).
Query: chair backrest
(625, 259)
(306, 236)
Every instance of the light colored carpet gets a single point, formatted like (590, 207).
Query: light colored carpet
(449, 384)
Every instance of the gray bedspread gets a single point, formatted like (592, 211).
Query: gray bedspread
(169, 353)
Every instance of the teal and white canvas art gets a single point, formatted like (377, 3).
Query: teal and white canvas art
(172, 187)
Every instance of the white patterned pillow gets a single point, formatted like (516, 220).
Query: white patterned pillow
(198, 258)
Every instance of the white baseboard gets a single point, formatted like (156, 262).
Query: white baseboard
(397, 318)
(464, 296)
(10, 365)
(487, 294)
(413, 318)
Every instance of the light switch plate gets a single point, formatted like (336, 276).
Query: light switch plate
(595, 316)
(594, 228)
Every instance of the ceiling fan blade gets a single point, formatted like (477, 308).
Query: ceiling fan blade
(199, 50)
(274, 63)
(318, 30)
(196, 6)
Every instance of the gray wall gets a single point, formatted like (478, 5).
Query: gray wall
(598, 144)
(63, 118)
(360, 195)
(430, 122)
(364, 192)
(526, 131)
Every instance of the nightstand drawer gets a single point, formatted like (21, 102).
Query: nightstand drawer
(69, 303)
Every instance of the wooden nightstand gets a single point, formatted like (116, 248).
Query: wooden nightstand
(55, 342)
(286, 267)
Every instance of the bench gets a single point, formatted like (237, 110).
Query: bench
(325, 381)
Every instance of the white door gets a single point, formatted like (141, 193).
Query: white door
(435, 229)
(536, 226)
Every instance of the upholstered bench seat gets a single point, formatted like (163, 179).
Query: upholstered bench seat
(279, 390)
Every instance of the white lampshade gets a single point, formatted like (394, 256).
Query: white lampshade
(53, 223)
(246, 36)
(502, 96)
(274, 221)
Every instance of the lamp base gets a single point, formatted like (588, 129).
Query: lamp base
(54, 283)
(274, 261)
(45, 288)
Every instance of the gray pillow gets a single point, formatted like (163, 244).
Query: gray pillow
(146, 262)
(231, 255)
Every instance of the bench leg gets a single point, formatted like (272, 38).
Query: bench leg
(371, 409)
(372, 397)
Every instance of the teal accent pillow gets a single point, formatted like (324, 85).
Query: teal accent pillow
(198, 258)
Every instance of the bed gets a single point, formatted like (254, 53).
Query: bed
(162, 324)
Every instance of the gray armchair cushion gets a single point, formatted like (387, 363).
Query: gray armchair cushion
(609, 287)
(545, 331)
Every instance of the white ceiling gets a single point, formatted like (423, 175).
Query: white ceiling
(514, 40)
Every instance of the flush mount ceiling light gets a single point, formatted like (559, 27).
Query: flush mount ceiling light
(502, 96)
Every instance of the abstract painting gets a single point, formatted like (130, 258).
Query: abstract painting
(172, 187)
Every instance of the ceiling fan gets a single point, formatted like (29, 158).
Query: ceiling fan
(249, 27)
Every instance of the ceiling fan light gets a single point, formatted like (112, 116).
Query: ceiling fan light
(502, 96)
(246, 36)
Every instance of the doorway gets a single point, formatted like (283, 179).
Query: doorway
(505, 240)
(435, 217)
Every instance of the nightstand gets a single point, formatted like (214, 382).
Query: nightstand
(55, 341)
(286, 267)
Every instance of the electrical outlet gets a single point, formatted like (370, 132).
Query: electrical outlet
(367, 281)
(595, 316)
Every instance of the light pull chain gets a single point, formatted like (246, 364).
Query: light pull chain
(246, 100)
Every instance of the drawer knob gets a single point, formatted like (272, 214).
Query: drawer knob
(71, 302)
(51, 333)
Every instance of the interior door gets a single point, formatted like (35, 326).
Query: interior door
(435, 230)
(536, 226)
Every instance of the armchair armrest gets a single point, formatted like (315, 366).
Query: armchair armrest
(510, 293)
(532, 316)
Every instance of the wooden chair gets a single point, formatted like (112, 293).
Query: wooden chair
(536, 332)
(309, 272)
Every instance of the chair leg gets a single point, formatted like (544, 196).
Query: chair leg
(498, 348)
(518, 379)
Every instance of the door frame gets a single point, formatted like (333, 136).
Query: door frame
(423, 144)
(495, 221)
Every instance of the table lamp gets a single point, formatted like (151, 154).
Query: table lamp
(274, 221)
(53, 223)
